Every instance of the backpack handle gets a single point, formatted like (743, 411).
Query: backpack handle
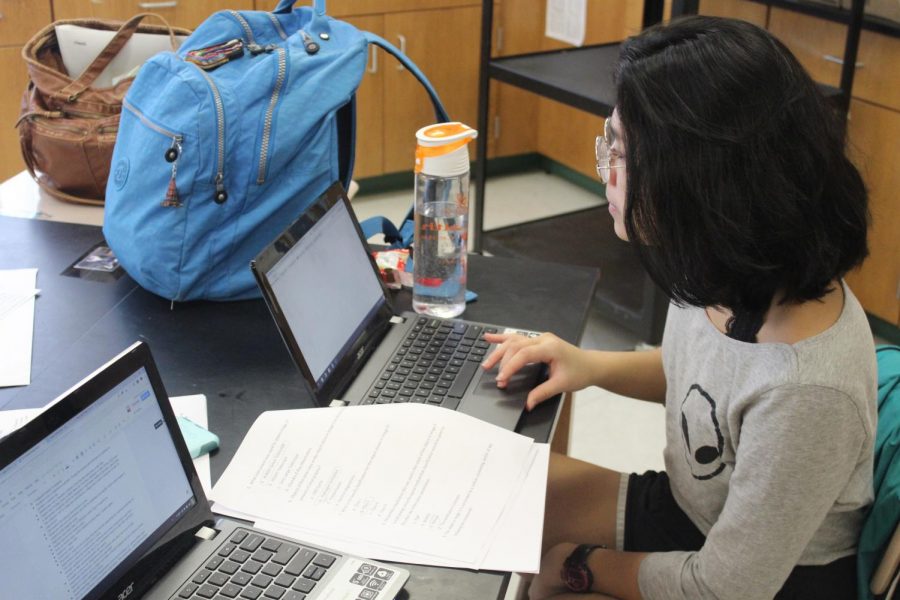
(286, 6)
(440, 112)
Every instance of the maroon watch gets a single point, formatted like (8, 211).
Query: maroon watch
(575, 572)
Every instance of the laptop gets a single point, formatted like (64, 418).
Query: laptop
(102, 500)
(335, 316)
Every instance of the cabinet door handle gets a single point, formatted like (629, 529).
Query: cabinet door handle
(839, 61)
(152, 5)
(373, 61)
(402, 39)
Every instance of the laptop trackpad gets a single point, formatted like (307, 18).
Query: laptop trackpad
(501, 406)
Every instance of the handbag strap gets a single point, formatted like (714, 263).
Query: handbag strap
(71, 92)
(440, 112)
(25, 142)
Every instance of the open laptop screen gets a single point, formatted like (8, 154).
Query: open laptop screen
(78, 507)
(327, 290)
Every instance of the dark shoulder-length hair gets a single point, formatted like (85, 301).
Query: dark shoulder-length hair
(738, 187)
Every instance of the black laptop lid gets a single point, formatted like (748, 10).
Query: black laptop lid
(323, 289)
(98, 498)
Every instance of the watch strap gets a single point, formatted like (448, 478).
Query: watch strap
(576, 574)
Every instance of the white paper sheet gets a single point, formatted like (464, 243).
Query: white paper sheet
(516, 545)
(429, 484)
(79, 47)
(566, 20)
(10, 420)
(194, 408)
(16, 325)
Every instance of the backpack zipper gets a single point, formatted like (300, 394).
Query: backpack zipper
(176, 137)
(278, 26)
(221, 195)
(252, 46)
(171, 155)
(267, 123)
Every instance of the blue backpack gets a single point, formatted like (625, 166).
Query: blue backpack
(224, 143)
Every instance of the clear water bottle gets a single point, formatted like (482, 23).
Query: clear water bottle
(442, 219)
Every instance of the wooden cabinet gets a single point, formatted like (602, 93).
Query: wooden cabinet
(529, 123)
(14, 77)
(444, 44)
(370, 104)
(19, 20)
(873, 131)
(183, 13)
(754, 12)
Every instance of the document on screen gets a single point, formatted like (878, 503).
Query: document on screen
(416, 479)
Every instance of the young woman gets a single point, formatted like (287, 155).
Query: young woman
(725, 168)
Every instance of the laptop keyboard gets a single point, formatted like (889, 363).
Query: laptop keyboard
(433, 365)
(254, 566)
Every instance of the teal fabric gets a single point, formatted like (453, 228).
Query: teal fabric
(885, 512)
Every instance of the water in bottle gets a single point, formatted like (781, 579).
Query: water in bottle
(442, 215)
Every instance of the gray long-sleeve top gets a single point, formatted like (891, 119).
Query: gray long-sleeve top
(769, 452)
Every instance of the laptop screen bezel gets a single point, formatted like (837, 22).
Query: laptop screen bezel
(138, 573)
(373, 329)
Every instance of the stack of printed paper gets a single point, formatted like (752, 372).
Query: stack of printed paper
(402, 482)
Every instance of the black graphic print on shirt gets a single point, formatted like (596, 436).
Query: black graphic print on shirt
(702, 437)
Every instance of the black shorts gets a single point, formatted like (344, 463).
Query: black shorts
(655, 523)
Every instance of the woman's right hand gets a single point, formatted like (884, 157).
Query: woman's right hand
(569, 366)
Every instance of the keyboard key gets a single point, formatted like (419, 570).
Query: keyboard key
(240, 556)
(271, 544)
(252, 567)
(285, 580)
(229, 567)
(271, 569)
(285, 554)
(238, 536)
(473, 332)
(367, 594)
(275, 592)
(313, 572)
(324, 560)
(188, 590)
(218, 579)
(251, 593)
(213, 563)
(201, 576)
(262, 581)
(292, 595)
(466, 372)
(207, 591)
(375, 584)
(299, 563)
(226, 549)
(230, 590)
(303, 585)
(359, 579)
(241, 579)
(384, 574)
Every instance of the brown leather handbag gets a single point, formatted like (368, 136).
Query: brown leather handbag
(67, 129)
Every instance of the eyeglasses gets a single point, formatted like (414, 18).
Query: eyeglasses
(607, 158)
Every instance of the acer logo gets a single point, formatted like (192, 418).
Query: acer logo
(127, 591)
(360, 352)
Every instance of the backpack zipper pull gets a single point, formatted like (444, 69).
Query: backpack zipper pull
(174, 151)
(309, 44)
(221, 195)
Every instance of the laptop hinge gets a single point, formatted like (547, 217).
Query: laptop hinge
(397, 319)
(206, 533)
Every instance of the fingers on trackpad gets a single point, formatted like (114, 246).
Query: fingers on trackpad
(518, 385)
